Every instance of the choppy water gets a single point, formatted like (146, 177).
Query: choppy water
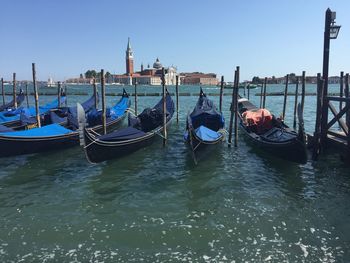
(156, 205)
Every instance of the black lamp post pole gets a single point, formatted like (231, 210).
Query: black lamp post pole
(326, 45)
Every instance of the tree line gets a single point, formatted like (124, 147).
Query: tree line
(91, 73)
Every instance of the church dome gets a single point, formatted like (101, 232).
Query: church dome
(157, 64)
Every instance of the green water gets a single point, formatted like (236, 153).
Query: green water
(236, 205)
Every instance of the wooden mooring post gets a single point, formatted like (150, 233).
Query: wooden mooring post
(296, 103)
(135, 97)
(248, 92)
(285, 98)
(264, 94)
(261, 94)
(2, 91)
(103, 91)
(36, 97)
(232, 110)
(177, 98)
(303, 86)
(341, 89)
(164, 108)
(221, 93)
(27, 95)
(317, 133)
(59, 93)
(236, 88)
(14, 90)
(346, 90)
(95, 92)
(65, 95)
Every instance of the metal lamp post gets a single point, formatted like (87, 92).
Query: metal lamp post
(330, 32)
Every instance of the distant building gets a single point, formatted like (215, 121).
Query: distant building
(129, 58)
(149, 76)
(198, 78)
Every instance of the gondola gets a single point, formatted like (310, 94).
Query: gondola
(11, 104)
(271, 134)
(205, 125)
(12, 118)
(53, 136)
(140, 133)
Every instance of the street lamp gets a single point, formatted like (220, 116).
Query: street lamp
(333, 29)
(330, 32)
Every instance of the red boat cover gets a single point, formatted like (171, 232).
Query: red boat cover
(259, 120)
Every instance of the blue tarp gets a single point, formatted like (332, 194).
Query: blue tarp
(207, 134)
(15, 115)
(94, 117)
(49, 130)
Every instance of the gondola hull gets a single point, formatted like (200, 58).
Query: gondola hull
(293, 150)
(141, 132)
(18, 146)
(277, 140)
(10, 146)
(99, 151)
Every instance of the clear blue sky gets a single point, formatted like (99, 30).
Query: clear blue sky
(265, 38)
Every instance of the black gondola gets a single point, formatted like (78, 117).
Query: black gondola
(140, 133)
(271, 134)
(205, 125)
(52, 136)
(11, 104)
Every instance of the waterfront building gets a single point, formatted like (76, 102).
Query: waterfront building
(198, 78)
(148, 76)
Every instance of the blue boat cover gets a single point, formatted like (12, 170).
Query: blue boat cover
(207, 134)
(94, 117)
(14, 115)
(205, 113)
(49, 130)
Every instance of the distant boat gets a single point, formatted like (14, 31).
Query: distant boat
(51, 83)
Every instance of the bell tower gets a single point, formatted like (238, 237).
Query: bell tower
(129, 58)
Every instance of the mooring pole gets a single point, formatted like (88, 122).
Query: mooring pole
(221, 92)
(326, 46)
(95, 92)
(236, 107)
(27, 95)
(264, 98)
(135, 97)
(303, 86)
(285, 98)
(66, 95)
(59, 94)
(2, 91)
(261, 95)
(164, 108)
(296, 103)
(248, 92)
(14, 90)
(36, 97)
(232, 111)
(317, 133)
(103, 90)
(346, 93)
(177, 98)
(341, 89)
